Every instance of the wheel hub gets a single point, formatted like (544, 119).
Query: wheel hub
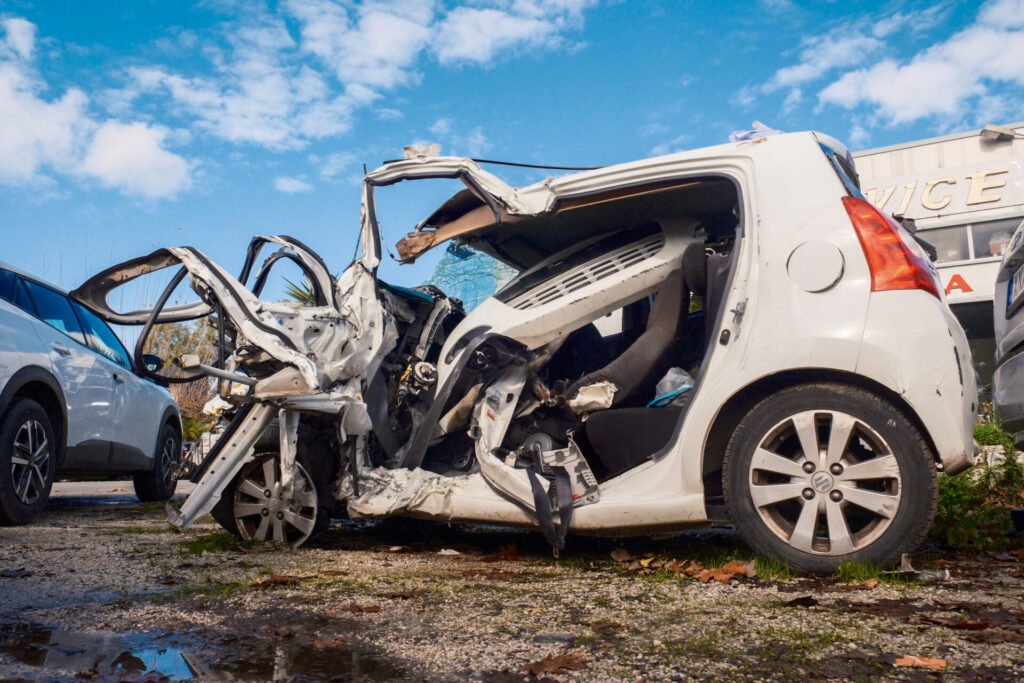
(822, 482)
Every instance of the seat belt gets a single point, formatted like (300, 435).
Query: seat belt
(542, 503)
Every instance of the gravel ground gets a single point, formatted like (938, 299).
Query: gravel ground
(100, 586)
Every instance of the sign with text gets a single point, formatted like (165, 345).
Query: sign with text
(946, 192)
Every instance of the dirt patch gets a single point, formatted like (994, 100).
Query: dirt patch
(374, 601)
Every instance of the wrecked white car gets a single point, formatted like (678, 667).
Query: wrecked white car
(769, 349)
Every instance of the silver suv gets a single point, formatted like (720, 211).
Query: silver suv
(71, 403)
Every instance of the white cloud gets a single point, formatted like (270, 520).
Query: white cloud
(40, 137)
(442, 126)
(37, 134)
(949, 79)
(821, 54)
(469, 34)
(20, 36)
(131, 157)
(291, 185)
(376, 47)
(792, 101)
(259, 91)
(332, 165)
(472, 144)
(673, 145)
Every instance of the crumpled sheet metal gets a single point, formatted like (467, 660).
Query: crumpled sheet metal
(419, 493)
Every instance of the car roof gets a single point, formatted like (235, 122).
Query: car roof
(35, 278)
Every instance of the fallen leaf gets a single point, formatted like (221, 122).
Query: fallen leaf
(960, 624)
(719, 574)
(867, 584)
(996, 635)
(356, 608)
(621, 555)
(647, 562)
(693, 568)
(278, 580)
(606, 628)
(506, 553)
(801, 601)
(741, 568)
(921, 663)
(403, 595)
(1019, 552)
(337, 640)
(556, 664)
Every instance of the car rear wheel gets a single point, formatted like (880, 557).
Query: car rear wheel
(820, 473)
(160, 482)
(28, 461)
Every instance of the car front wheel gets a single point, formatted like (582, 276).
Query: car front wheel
(819, 473)
(28, 460)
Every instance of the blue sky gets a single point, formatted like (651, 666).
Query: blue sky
(125, 126)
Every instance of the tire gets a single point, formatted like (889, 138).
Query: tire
(316, 465)
(28, 461)
(160, 482)
(870, 498)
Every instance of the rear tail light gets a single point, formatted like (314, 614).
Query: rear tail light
(892, 263)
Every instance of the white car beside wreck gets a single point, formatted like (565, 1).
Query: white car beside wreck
(830, 380)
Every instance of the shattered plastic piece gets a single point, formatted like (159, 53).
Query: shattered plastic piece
(928, 575)
(421, 151)
(921, 663)
(760, 131)
(448, 551)
(597, 396)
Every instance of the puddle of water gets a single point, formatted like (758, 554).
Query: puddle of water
(53, 653)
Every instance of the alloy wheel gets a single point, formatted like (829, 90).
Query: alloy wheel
(825, 482)
(31, 461)
(264, 513)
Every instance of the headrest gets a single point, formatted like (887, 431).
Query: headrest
(695, 273)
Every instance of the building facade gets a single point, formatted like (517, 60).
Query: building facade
(965, 193)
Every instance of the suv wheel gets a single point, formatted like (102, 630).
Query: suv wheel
(819, 473)
(160, 482)
(28, 460)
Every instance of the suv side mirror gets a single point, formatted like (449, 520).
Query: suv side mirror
(152, 363)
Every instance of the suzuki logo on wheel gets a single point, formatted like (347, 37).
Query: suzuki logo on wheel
(822, 481)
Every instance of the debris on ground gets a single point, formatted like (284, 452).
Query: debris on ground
(556, 664)
(921, 663)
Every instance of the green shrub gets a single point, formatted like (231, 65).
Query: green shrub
(192, 429)
(973, 508)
